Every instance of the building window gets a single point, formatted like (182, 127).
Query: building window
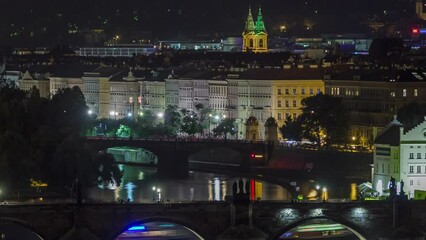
(279, 91)
(287, 92)
(404, 92)
(279, 116)
(415, 93)
(311, 91)
(392, 94)
(294, 103)
(419, 169)
(279, 103)
(411, 169)
(383, 168)
(411, 182)
(286, 103)
(294, 91)
(287, 115)
(419, 156)
(411, 155)
(294, 115)
(303, 91)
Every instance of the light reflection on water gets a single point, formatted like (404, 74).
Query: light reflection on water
(137, 186)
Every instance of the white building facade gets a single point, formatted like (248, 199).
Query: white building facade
(401, 155)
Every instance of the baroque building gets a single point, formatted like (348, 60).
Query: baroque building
(255, 37)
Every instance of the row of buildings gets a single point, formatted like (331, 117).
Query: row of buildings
(372, 95)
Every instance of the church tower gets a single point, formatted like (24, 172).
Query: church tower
(255, 38)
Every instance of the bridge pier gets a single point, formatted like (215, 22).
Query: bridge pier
(173, 162)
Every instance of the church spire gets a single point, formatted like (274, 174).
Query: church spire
(249, 23)
(260, 25)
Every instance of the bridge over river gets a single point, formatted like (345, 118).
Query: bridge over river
(265, 161)
(219, 220)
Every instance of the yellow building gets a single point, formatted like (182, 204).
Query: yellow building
(255, 38)
(288, 92)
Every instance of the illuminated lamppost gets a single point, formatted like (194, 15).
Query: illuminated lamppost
(153, 192)
(159, 194)
(324, 195)
(113, 114)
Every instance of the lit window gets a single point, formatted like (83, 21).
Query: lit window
(393, 94)
(404, 92)
(411, 169)
(415, 93)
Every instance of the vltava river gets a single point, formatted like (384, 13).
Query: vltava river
(140, 185)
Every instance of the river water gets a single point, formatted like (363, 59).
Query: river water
(142, 185)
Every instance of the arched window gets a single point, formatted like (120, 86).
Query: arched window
(261, 43)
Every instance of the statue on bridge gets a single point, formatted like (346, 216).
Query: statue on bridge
(241, 191)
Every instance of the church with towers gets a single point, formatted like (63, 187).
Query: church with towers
(255, 37)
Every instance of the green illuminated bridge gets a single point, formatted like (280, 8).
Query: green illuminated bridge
(221, 220)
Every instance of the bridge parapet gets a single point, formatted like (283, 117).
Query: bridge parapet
(372, 220)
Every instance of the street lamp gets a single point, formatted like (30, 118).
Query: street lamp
(153, 192)
(159, 194)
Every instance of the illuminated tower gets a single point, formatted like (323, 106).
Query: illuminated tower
(419, 9)
(255, 38)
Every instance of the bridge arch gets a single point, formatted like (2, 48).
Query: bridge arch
(24, 227)
(132, 154)
(355, 230)
(190, 228)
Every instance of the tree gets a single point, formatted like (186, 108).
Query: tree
(292, 129)
(225, 127)
(324, 120)
(190, 123)
(108, 170)
(172, 120)
(412, 114)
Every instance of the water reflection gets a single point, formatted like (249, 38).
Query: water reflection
(138, 182)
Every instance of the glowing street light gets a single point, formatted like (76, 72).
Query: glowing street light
(90, 112)
(160, 115)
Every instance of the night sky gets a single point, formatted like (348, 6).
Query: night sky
(49, 21)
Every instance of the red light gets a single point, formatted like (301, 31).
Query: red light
(252, 155)
(415, 31)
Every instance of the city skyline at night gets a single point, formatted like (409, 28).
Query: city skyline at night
(49, 22)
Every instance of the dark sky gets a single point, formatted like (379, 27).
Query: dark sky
(165, 18)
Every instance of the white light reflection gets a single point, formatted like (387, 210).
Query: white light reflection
(216, 183)
(129, 187)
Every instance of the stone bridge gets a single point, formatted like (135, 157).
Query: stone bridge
(173, 154)
(212, 220)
